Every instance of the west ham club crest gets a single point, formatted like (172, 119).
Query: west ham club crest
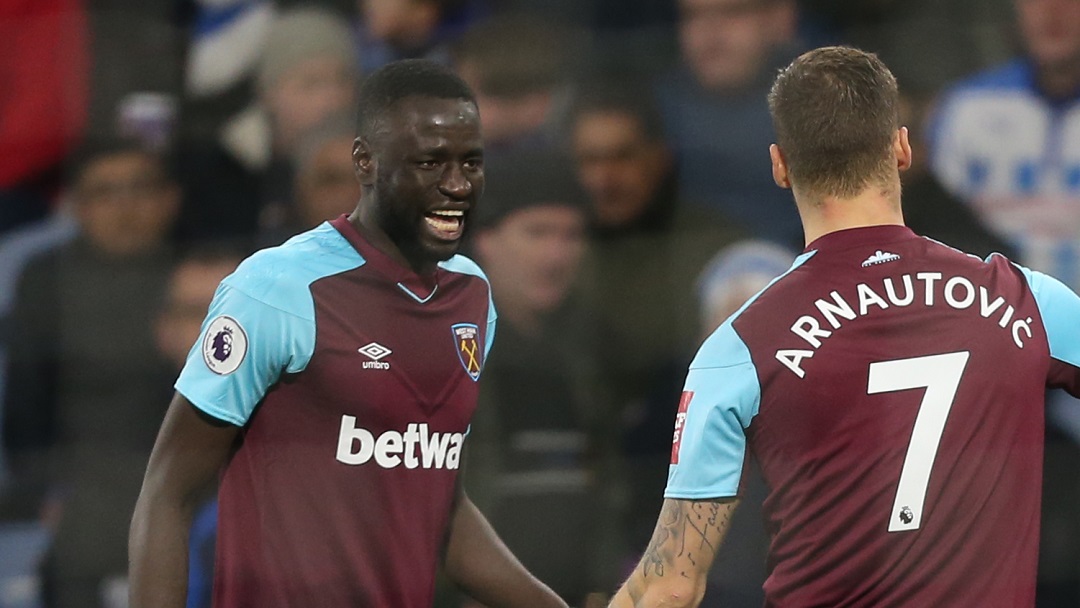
(467, 344)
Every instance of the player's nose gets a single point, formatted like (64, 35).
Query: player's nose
(455, 183)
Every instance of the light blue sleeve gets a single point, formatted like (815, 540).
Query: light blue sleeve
(1060, 310)
(723, 396)
(265, 342)
(261, 324)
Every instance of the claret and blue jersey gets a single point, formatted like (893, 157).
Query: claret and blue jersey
(891, 389)
(353, 380)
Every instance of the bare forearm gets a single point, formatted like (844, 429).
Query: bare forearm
(675, 565)
(479, 563)
(189, 452)
(158, 552)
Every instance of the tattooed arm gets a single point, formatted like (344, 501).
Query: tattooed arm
(673, 570)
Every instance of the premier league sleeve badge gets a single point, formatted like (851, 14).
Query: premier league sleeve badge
(224, 345)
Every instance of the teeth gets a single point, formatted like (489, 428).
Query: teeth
(445, 227)
(448, 213)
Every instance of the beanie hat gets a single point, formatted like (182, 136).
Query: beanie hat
(301, 34)
(524, 179)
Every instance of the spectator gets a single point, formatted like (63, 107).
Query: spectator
(83, 378)
(1005, 141)
(325, 185)
(715, 111)
(518, 66)
(307, 72)
(533, 456)
(648, 244)
(648, 248)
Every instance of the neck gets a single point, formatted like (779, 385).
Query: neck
(872, 207)
(366, 223)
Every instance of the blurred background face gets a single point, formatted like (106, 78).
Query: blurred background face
(533, 255)
(190, 290)
(727, 42)
(1051, 31)
(618, 165)
(124, 203)
(308, 92)
(326, 186)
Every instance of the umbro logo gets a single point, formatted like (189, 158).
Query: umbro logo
(880, 257)
(375, 352)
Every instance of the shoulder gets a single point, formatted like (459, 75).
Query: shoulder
(723, 348)
(280, 276)
(1043, 286)
(726, 347)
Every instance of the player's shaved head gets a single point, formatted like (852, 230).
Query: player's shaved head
(836, 114)
(388, 85)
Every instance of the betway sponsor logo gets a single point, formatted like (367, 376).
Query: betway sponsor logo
(417, 447)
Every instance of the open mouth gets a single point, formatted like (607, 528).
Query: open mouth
(446, 224)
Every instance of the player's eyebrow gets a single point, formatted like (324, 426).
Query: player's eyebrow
(443, 150)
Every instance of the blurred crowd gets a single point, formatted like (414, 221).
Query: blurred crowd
(147, 147)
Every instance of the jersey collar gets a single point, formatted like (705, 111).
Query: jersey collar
(860, 237)
(419, 287)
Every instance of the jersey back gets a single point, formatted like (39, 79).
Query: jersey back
(892, 390)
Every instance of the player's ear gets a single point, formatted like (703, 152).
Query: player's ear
(363, 161)
(779, 167)
(902, 148)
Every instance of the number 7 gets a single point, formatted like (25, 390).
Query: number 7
(940, 375)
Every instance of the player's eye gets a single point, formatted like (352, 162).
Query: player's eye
(427, 163)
